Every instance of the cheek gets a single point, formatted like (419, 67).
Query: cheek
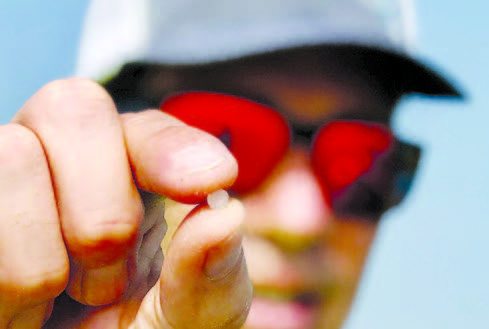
(347, 246)
(345, 253)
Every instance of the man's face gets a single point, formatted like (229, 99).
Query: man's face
(304, 259)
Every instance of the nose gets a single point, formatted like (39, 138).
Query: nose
(289, 208)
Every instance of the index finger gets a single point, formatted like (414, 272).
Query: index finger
(176, 160)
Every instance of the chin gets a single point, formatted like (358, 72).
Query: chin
(268, 313)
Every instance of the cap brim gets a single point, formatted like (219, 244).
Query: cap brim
(395, 71)
(400, 73)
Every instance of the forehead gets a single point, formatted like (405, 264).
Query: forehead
(311, 87)
(306, 85)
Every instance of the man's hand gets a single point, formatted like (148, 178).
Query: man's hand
(72, 221)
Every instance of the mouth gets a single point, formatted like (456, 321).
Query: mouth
(283, 311)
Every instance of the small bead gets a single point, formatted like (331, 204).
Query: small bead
(218, 199)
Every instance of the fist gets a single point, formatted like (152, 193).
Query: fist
(82, 218)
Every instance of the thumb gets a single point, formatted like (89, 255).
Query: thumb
(204, 281)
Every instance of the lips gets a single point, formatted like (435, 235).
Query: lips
(300, 312)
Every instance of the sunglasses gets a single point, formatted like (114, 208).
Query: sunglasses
(362, 168)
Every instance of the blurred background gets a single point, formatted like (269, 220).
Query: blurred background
(429, 268)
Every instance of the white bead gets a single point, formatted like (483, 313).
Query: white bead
(218, 199)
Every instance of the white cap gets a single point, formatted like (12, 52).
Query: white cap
(187, 32)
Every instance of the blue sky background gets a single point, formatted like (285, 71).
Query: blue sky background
(429, 268)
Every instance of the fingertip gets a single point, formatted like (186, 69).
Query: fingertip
(178, 161)
(194, 165)
(208, 248)
(204, 229)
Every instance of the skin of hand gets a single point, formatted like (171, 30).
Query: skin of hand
(74, 223)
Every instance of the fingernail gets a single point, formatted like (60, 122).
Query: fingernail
(222, 260)
(105, 284)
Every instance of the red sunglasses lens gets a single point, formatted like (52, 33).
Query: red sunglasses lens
(256, 135)
(345, 152)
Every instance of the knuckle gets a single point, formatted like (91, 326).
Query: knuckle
(19, 147)
(60, 90)
(74, 100)
(76, 97)
(35, 284)
(112, 233)
(117, 224)
(51, 280)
